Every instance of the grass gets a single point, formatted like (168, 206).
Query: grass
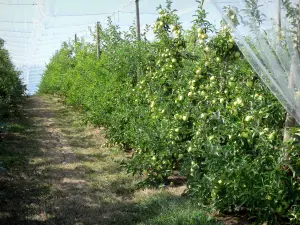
(60, 171)
(168, 210)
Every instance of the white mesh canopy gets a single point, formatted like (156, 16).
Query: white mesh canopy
(267, 32)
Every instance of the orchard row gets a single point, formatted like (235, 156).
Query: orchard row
(188, 103)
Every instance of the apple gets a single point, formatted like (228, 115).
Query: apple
(198, 71)
(239, 101)
(203, 115)
(237, 54)
(248, 118)
(249, 84)
(231, 84)
(200, 30)
(207, 63)
(279, 210)
(272, 136)
(244, 134)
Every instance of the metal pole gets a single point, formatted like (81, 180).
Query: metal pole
(138, 25)
(98, 39)
(298, 32)
(279, 15)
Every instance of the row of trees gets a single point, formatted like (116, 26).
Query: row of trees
(196, 108)
(12, 91)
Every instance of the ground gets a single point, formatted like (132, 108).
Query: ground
(56, 169)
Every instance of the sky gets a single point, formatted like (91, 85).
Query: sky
(34, 29)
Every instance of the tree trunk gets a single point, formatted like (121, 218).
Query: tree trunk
(290, 122)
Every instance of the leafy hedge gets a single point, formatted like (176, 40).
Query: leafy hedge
(11, 88)
(187, 102)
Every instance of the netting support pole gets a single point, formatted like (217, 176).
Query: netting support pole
(98, 39)
(138, 34)
(138, 24)
(279, 15)
(298, 30)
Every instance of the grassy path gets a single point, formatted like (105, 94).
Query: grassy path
(58, 171)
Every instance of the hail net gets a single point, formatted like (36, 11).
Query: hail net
(267, 33)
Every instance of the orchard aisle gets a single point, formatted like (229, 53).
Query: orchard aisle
(60, 172)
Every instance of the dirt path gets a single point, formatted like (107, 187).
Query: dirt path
(60, 172)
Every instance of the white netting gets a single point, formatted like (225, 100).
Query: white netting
(267, 32)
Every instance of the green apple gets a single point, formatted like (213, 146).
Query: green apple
(198, 71)
(272, 136)
(249, 84)
(248, 118)
(212, 78)
(237, 54)
(207, 63)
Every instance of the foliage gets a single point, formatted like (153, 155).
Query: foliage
(195, 108)
(11, 89)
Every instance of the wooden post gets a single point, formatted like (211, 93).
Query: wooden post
(138, 25)
(98, 39)
(75, 38)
